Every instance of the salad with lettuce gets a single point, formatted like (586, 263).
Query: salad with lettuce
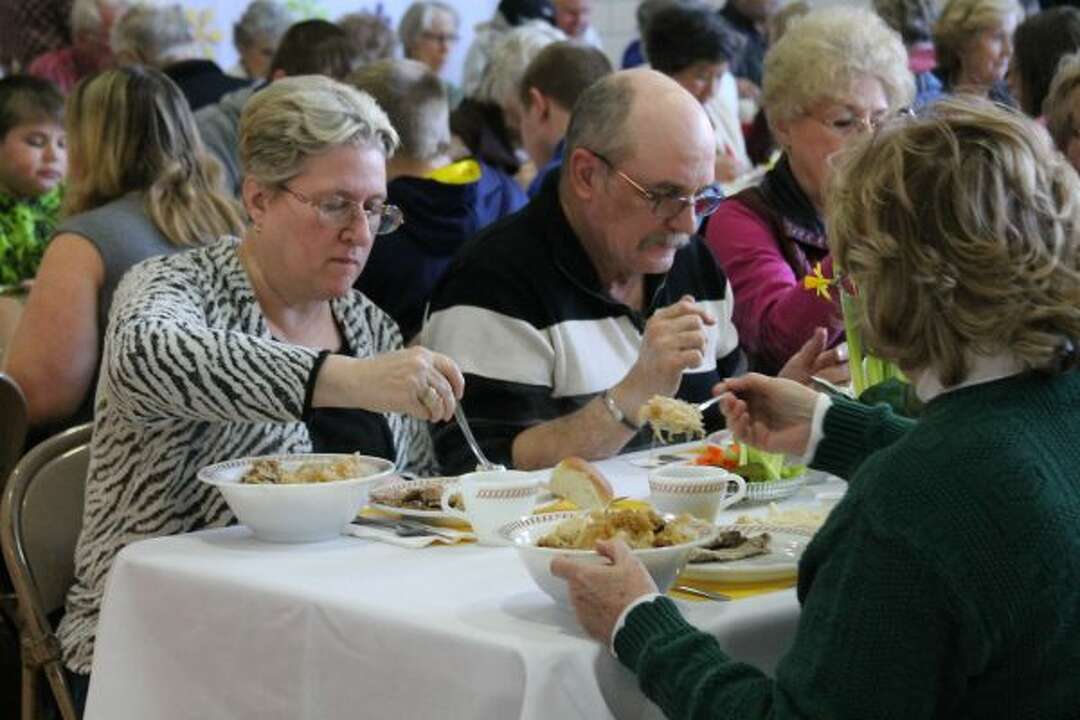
(752, 464)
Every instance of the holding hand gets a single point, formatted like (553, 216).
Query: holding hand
(600, 593)
(772, 414)
(674, 341)
(414, 381)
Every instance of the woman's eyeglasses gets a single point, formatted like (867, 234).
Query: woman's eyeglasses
(667, 206)
(337, 212)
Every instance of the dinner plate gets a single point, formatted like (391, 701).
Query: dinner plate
(382, 497)
(786, 546)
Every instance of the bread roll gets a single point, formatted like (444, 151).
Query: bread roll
(579, 482)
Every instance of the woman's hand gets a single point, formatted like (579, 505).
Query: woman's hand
(413, 381)
(772, 414)
(814, 359)
(600, 593)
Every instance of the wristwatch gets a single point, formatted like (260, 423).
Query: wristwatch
(619, 415)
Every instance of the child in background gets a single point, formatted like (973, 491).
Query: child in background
(33, 162)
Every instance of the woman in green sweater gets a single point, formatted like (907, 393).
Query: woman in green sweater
(946, 584)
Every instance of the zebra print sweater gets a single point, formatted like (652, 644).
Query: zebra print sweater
(190, 375)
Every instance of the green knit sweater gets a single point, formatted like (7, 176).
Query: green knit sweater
(946, 583)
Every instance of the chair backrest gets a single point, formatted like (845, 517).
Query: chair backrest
(40, 520)
(12, 425)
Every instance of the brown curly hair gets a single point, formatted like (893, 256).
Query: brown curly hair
(961, 232)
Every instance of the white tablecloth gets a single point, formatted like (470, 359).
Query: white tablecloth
(216, 624)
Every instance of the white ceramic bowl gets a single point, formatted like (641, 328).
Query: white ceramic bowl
(663, 564)
(295, 513)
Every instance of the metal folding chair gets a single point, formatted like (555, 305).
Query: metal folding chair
(40, 520)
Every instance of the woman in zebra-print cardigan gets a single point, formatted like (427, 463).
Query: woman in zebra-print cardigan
(233, 349)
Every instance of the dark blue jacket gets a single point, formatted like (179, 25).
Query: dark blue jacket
(405, 265)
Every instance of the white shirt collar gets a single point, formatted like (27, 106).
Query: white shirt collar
(983, 369)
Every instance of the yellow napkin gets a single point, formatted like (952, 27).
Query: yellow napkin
(736, 591)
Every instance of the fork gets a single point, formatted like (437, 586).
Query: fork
(708, 594)
(702, 407)
(401, 528)
(482, 462)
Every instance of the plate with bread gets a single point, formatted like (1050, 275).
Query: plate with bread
(573, 484)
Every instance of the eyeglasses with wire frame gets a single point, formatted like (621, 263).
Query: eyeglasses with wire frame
(669, 205)
(337, 212)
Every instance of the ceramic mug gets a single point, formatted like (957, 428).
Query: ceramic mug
(492, 498)
(699, 490)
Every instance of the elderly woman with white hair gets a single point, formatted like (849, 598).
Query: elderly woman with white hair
(256, 36)
(973, 41)
(429, 31)
(162, 37)
(946, 583)
(258, 345)
(836, 74)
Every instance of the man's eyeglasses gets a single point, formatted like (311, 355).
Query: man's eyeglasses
(669, 205)
(337, 212)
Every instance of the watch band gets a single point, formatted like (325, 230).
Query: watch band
(619, 415)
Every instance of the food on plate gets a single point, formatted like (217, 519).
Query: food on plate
(639, 528)
(731, 545)
(752, 464)
(671, 417)
(422, 496)
(581, 483)
(803, 517)
(273, 472)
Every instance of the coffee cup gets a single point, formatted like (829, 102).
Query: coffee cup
(699, 490)
(492, 498)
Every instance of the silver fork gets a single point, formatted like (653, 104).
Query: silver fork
(702, 407)
(459, 414)
(482, 462)
(708, 594)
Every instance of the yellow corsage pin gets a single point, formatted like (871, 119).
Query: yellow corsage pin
(817, 282)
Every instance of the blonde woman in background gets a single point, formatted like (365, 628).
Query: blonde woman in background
(257, 345)
(429, 32)
(1062, 108)
(973, 43)
(139, 185)
(834, 75)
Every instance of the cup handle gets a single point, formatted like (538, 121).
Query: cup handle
(444, 501)
(739, 494)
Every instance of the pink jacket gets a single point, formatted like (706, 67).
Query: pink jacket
(774, 313)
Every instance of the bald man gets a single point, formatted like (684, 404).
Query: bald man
(569, 315)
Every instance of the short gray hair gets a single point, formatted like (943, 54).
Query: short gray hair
(262, 20)
(417, 19)
(297, 117)
(414, 99)
(511, 57)
(154, 35)
(599, 121)
(827, 50)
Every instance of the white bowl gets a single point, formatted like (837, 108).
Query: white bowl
(663, 563)
(295, 513)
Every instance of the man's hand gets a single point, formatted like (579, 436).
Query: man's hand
(600, 593)
(675, 339)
